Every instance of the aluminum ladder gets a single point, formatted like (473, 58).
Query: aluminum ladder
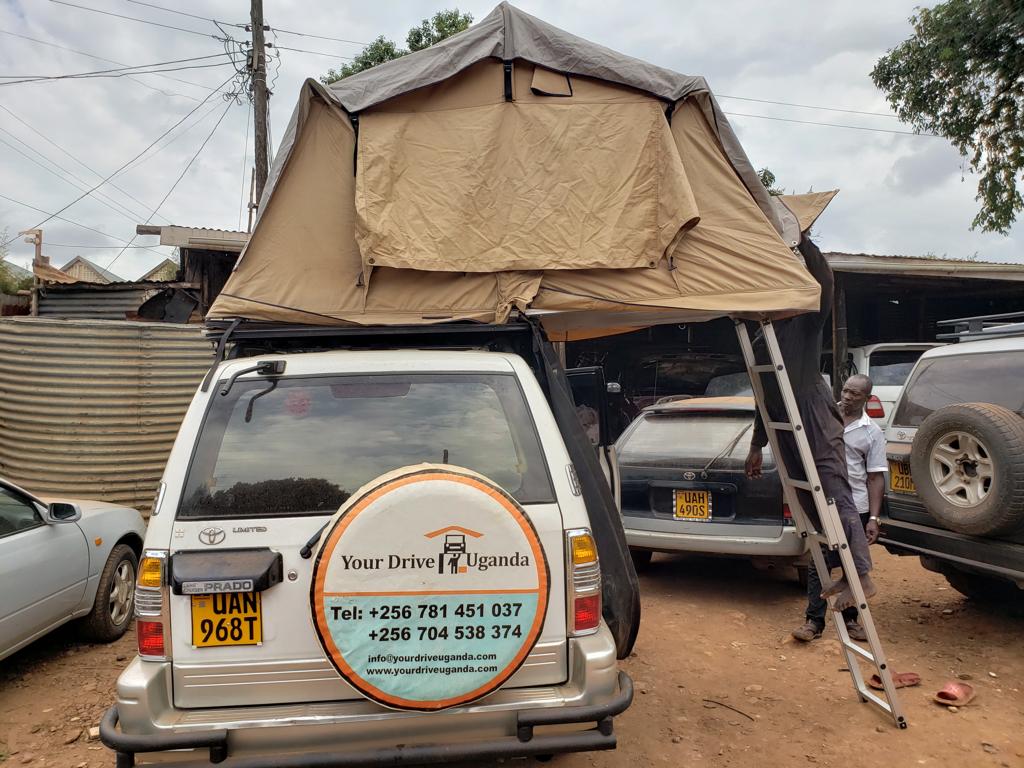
(832, 535)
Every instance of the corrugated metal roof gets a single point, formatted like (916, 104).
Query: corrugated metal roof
(96, 303)
(197, 237)
(90, 408)
(18, 273)
(869, 263)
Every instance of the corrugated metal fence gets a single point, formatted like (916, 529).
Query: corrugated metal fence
(90, 408)
(107, 302)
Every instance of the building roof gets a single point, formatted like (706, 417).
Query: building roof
(18, 273)
(923, 266)
(197, 237)
(106, 274)
(168, 265)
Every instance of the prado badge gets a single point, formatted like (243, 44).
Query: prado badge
(430, 588)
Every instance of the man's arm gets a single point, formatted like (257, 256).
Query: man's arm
(822, 272)
(876, 467)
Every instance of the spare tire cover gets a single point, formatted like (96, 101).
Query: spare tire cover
(430, 587)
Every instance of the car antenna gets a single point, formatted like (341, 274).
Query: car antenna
(444, 456)
(307, 549)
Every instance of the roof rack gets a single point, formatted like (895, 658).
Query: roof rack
(982, 327)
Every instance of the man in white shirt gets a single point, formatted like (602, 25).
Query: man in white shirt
(865, 467)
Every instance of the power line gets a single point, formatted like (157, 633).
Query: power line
(119, 72)
(307, 34)
(111, 61)
(808, 106)
(140, 154)
(834, 125)
(245, 156)
(132, 18)
(176, 181)
(114, 75)
(62, 218)
(182, 13)
(100, 247)
(87, 167)
(303, 50)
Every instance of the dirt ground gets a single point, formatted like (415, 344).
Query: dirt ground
(713, 631)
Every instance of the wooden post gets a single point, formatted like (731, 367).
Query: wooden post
(839, 338)
(259, 96)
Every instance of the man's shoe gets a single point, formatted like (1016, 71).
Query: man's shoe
(856, 631)
(809, 631)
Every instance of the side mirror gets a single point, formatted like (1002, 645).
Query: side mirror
(614, 388)
(61, 512)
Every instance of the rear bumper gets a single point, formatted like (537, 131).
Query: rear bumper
(786, 544)
(509, 723)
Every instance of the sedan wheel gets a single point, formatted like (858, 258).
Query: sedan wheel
(122, 592)
(115, 597)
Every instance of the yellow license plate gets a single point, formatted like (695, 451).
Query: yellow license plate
(900, 479)
(230, 618)
(692, 505)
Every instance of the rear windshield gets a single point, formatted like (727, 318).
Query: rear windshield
(891, 368)
(304, 445)
(664, 438)
(992, 377)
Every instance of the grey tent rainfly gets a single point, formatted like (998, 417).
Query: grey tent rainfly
(515, 167)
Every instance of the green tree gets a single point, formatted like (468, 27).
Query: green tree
(768, 179)
(961, 76)
(9, 284)
(442, 25)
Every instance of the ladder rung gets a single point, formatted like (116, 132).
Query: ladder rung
(764, 369)
(877, 700)
(802, 484)
(866, 655)
(821, 538)
(780, 426)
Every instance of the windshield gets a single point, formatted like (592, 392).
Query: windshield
(992, 377)
(304, 445)
(729, 385)
(664, 438)
(891, 368)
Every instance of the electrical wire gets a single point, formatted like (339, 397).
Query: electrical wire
(177, 181)
(245, 156)
(119, 72)
(100, 247)
(140, 154)
(316, 37)
(111, 61)
(834, 125)
(88, 77)
(132, 18)
(82, 163)
(182, 13)
(184, 132)
(808, 106)
(69, 221)
(315, 53)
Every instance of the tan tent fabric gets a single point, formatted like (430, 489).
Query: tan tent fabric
(808, 207)
(328, 212)
(580, 181)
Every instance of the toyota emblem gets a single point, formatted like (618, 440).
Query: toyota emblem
(212, 535)
(689, 476)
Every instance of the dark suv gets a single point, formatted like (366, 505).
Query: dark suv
(956, 465)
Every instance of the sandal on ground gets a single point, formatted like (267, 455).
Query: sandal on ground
(899, 680)
(955, 694)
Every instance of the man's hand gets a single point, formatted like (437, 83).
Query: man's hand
(754, 462)
(871, 531)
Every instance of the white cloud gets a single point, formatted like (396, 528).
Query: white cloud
(900, 194)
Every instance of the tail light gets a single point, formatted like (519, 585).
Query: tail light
(787, 515)
(874, 408)
(584, 583)
(152, 625)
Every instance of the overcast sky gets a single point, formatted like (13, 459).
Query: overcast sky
(900, 194)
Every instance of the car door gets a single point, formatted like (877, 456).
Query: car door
(590, 394)
(43, 570)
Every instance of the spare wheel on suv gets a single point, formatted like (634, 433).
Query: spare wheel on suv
(968, 465)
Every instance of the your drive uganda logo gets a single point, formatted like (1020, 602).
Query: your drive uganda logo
(430, 588)
(454, 558)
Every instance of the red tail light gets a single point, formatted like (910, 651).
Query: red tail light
(874, 408)
(150, 637)
(787, 513)
(587, 612)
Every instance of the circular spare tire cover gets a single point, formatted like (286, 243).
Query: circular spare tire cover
(968, 465)
(430, 588)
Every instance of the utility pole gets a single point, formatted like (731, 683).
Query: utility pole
(35, 237)
(260, 97)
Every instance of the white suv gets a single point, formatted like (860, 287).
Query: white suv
(451, 609)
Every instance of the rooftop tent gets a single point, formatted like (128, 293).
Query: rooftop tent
(515, 166)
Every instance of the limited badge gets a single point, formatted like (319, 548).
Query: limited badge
(430, 588)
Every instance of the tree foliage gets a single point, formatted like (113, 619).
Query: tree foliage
(442, 25)
(961, 76)
(9, 283)
(768, 179)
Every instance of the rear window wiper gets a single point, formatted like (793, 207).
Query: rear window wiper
(727, 452)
